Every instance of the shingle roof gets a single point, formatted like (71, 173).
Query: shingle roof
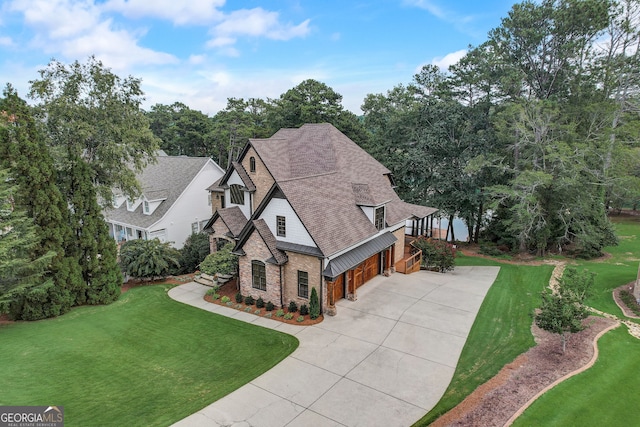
(234, 219)
(269, 239)
(164, 180)
(324, 176)
(244, 176)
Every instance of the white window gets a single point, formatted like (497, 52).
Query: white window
(194, 227)
(146, 207)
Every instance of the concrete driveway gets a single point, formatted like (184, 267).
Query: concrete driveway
(383, 360)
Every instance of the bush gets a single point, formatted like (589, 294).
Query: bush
(314, 304)
(436, 254)
(293, 307)
(249, 300)
(288, 316)
(304, 310)
(269, 306)
(220, 262)
(239, 298)
(259, 302)
(630, 301)
(280, 313)
(195, 250)
(147, 259)
(213, 291)
(300, 319)
(225, 299)
(257, 312)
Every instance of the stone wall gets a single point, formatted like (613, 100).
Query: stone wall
(255, 249)
(261, 177)
(311, 265)
(216, 201)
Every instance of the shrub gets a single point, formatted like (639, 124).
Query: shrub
(220, 262)
(249, 300)
(280, 313)
(314, 304)
(293, 307)
(269, 306)
(300, 319)
(195, 250)
(213, 291)
(304, 309)
(288, 316)
(247, 309)
(239, 298)
(436, 254)
(225, 299)
(268, 315)
(257, 312)
(630, 301)
(259, 302)
(147, 259)
(229, 303)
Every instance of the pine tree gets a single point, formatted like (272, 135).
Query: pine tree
(24, 152)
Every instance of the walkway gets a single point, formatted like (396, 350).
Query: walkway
(384, 360)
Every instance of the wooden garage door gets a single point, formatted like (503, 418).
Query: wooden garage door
(338, 288)
(371, 267)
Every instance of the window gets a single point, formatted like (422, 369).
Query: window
(281, 225)
(252, 164)
(237, 195)
(194, 228)
(259, 275)
(303, 284)
(146, 207)
(379, 218)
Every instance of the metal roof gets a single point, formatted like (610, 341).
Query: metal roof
(355, 256)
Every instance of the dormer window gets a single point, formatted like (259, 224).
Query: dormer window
(129, 205)
(252, 164)
(378, 218)
(146, 207)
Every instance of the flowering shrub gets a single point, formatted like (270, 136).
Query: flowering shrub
(436, 254)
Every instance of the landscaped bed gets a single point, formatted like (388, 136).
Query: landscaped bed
(143, 360)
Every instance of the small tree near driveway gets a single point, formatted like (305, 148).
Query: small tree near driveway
(563, 309)
(148, 259)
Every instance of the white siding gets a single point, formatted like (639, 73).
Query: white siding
(192, 206)
(246, 208)
(296, 233)
(368, 211)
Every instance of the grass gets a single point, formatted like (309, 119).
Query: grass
(144, 360)
(501, 331)
(601, 396)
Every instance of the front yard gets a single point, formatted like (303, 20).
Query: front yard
(144, 360)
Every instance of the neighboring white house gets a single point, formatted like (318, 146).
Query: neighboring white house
(174, 203)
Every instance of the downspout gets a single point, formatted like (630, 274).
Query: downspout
(281, 288)
(321, 283)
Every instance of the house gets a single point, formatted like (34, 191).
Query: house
(174, 202)
(308, 208)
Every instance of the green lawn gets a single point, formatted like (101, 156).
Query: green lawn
(601, 396)
(501, 331)
(144, 360)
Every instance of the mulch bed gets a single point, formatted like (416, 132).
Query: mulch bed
(494, 402)
(229, 290)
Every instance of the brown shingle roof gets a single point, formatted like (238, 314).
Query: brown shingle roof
(233, 218)
(262, 228)
(244, 176)
(316, 167)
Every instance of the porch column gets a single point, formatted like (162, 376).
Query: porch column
(331, 303)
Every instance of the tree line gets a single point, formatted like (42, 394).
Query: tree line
(531, 138)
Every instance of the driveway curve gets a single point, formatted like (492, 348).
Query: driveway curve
(383, 360)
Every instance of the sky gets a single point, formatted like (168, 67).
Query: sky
(201, 52)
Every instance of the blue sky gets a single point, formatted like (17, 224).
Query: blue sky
(201, 52)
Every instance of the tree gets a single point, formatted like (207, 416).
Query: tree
(314, 304)
(18, 268)
(563, 309)
(148, 259)
(314, 102)
(23, 151)
(92, 115)
(436, 254)
(195, 250)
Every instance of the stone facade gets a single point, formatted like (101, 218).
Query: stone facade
(261, 177)
(219, 232)
(256, 250)
(299, 262)
(216, 200)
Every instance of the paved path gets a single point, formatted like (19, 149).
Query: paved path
(384, 360)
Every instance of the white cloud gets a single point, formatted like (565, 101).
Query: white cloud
(255, 22)
(430, 7)
(176, 11)
(116, 48)
(58, 18)
(449, 59)
(197, 59)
